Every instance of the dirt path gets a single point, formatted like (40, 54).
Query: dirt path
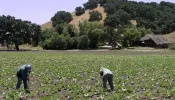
(123, 52)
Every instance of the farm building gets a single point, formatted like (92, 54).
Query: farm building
(152, 40)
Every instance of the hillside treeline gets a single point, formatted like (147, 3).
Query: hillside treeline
(159, 17)
(117, 27)
(90, 34)
(116, 30)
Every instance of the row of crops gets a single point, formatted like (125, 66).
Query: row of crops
(76, 76)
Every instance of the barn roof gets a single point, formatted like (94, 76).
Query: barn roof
(158, 39)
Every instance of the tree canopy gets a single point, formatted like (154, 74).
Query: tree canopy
(118, 19)
(61, 17)
(79, 11)
(95, 16)
(159, 17)
(94, 31)
(15, 31)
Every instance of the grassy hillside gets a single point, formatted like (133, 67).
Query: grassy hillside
(77, 19)
(170, 37)
(46, 25)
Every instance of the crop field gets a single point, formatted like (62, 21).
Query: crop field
(75, 75)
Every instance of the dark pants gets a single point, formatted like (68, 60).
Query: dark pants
(109, 78)
(19, 83)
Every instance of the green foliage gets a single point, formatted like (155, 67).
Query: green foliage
(171, 46)
(47, 33)
(65, 32)
(75, 42)
(110, 33)
(83, 42)
(95, 16)
(15, 31)
(113, 37)
(70, 42)
(79, 11)
(111, 20)
(102, 2)
(91, 4)
(86, 27)
(75, 75)
(61, 17)
(110, 7)
(133, 35)
(56, 42)
(94, 31)
(120, 18)
(36, 34)
(157, 17)
(86, 6)
(130, 7)
(73, 32)
(63, 36)
(59, 28)
(94, 37)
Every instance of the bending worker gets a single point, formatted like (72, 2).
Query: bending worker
(107, 76)
(23, 75)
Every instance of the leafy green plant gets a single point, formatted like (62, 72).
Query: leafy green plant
(76, 75)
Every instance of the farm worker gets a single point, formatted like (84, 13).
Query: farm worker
(107, 76)
(23, 75)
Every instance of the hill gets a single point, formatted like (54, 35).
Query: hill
(159, 17)
(77, 19)
(46, 25)
(170, 37)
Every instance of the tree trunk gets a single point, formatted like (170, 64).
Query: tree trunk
(2, 44)
(17, 46)
(6, 43)
(7, 46)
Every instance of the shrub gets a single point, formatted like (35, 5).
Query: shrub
(95, 16)
(171, 47)
(56, 42)
(75, 42)
(94, 37)
(83, 42)
(69, 42)
(46, 44)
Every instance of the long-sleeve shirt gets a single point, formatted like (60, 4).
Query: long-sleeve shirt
(105, 71)
(23, 72)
